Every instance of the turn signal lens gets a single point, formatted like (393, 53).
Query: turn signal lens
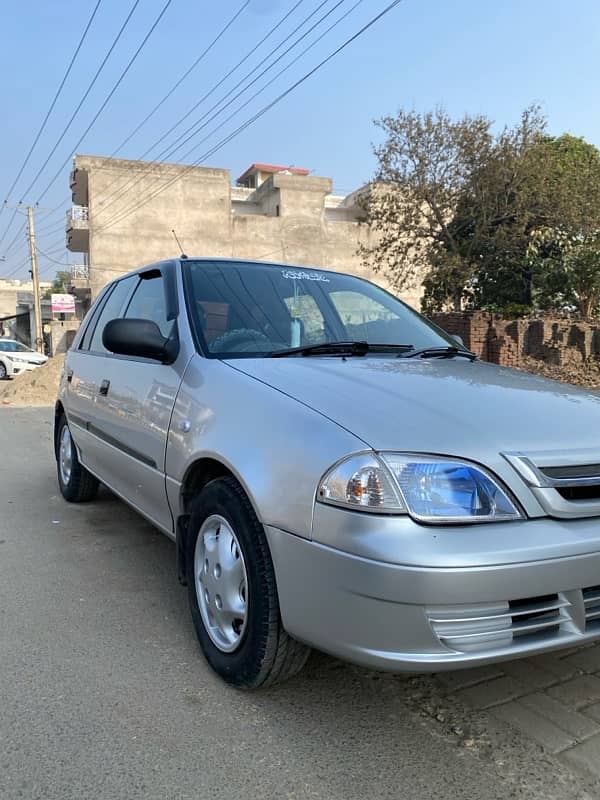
(361, 482)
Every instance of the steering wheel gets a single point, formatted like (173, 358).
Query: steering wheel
(243, 340)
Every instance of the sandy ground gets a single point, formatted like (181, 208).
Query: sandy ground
(105, 694)
(36, 388)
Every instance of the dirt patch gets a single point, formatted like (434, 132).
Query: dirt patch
(36, 388)
(580, 373)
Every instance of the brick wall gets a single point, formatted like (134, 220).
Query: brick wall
(511, 343)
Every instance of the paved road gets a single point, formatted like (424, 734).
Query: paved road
(104, 694)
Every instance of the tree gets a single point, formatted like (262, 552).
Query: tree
(424, 165)
(482, 219)
(564, 251)
(61, 283)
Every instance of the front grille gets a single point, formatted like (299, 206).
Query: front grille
(493, 625)
(570, 472)
(566, 484)
(591, 602)
(572, 493)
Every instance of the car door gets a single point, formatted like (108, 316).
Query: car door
(133, 403)
(84, 362)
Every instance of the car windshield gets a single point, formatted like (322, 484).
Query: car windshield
(10, 346)
(244, 309)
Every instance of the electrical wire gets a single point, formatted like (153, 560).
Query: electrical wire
(85, 96)
(260, 113)
(106, 204)
(18, 268)
(15, 239)
(171, 149)
(128, 183)
(53, 260)
(54, 101)
(108, 97)
(229, 74)
(266, 85)
(337, 22)
(190, 69)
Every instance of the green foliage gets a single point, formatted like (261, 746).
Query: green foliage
(60, 284)
(483, 219)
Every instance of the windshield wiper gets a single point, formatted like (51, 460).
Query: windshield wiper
(441, 352)
(342, 349)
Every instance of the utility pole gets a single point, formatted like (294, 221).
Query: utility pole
(37, 306)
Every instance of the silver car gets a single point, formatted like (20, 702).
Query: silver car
(336, 471)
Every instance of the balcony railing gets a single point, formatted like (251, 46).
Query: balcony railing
(80, 272)
(78, 214)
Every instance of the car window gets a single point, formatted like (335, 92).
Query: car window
(310, 327)
(245, 309)
(149, 302)
(362, 316)
(111, 310)
(7, 347)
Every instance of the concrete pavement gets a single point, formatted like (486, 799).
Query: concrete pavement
(104, 693)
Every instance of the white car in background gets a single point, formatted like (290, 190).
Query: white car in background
(16, 358)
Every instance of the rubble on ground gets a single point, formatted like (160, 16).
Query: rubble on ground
(36, 388)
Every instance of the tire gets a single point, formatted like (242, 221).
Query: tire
(3, 371)
(76, 484)
(252, 650)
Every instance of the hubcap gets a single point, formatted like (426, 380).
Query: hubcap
(221, 583)
(65, 455)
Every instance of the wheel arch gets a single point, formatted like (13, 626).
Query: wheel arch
(59, 411)
(201, 472)
(198, 475)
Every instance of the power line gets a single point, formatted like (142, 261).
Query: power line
(234, 69)
(54, 100)
(53, 260)
(15, 238)
(18, 268)
(262, 111)
(183, 77)
(170, 148)
(337, 22)
(110, 94)
(85, 96)
(266, 85)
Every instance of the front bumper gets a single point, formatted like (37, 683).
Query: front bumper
(445, 614)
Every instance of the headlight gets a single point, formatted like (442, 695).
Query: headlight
(433, 490)
(18, 360)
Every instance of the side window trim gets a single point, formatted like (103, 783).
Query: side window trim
(93, 320)
(154, 274)
(123, 305)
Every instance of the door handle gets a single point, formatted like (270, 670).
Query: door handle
(104, 386)
(69, 375)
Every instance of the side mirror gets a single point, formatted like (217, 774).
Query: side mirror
(457, 339)
(137, 337)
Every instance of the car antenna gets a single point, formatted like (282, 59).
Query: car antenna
(183, 255)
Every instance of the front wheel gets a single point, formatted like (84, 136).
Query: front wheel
(3, 371)
(232, 591)
(76, 484)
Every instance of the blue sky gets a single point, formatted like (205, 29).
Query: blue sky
(471, 56)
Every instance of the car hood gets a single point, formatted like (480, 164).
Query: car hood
(446, 406)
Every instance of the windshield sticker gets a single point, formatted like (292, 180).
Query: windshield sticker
(301, 275)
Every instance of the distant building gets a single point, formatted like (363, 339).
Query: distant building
(125, 212)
